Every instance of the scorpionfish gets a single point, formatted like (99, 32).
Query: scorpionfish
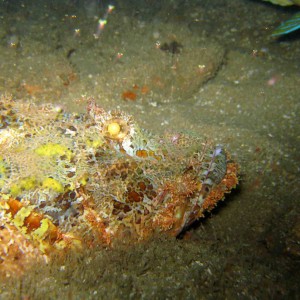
(72, 180)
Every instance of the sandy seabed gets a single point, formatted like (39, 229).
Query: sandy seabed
(226, 79)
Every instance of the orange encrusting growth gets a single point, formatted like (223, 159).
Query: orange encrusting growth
(229, 182)
(135, 92)
(129, 95)
(32, 89)
(102, 236)
(147, 153)
(36, 226)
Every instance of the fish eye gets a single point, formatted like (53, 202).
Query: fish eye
(113, 129)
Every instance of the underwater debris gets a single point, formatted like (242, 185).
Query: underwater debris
(70, 180)
(172, 47)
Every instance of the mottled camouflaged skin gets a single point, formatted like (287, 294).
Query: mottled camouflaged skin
(98, 177)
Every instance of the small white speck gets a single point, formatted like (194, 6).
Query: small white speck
(286, 116)
(153, 103)
(209, 271)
